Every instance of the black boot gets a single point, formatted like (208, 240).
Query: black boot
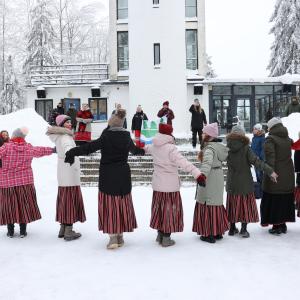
(244, 233)
(10, 230)
(23, 232)
(276, 230)
(159, 237)
(209, 239)
(283, 228)
(218, 237)
(233, 230)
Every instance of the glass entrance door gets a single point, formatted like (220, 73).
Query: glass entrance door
(243, 104)
(221, 112)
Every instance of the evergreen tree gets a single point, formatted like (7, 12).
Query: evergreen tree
(210, 72)
(285, 57)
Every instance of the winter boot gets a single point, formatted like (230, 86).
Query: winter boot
(218, 237)
(283, 228)
(159, 237)
(62, 229)
(23, 231)
(233, 230)
(113, 242)
(70, 235)
(166, 240)
(120, 240)
(244, 233)
(275, 230)
(10, 230)
(209, 239)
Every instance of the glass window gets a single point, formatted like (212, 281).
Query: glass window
(191, 50)
(222, 90)
(263, 108)
(242, 90)
(123, 51)
(190, 8)
(156, 54)
(155, 2)
(122, 9)
(43, 108)
(264, 89)
(243, 112)
(98, 108)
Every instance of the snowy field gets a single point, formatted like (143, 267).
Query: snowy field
(42, 267)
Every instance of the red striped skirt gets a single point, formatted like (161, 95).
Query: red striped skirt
(167, 212)
(18, 204)
(210, 220)
(69, 205)
(242, 208)
(297, 198)
(116, 214)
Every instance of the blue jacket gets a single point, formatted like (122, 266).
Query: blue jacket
(257, 145)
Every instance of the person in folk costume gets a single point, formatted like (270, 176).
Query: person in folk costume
(296, 147)
(241, 202)
(197, 122)
(136, 125)
(18, 203)
(210, 217)
(115, 207)
(83, 132)
(167, 210)
(117, 107)
(4, 138)
(167, 113)
(278, 202)
(69, 204)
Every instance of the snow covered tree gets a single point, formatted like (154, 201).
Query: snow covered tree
(285, 57)
(210, 72)
(41, 37)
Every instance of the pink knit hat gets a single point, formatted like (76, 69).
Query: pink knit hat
(61, 120)
(211, 130)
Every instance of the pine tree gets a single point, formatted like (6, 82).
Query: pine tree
(41, 37)
(285, 57)
(210, 72)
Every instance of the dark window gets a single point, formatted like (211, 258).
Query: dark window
(98, 107)
(123, 51)
(67, 101)
(44, 107)
(263, 89)
(242, 90)
(190, 8)
(191, 49)
(122, 9)
(156, 54)
(155, 2)
(222, 90)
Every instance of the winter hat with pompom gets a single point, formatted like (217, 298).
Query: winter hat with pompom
(258, 127)
(61, 120)
(274, 121)
(117, 119)
(212, 130)
(238, 129)
(20, 132)
(165, 129)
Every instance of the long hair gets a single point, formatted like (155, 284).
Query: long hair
(198, 108)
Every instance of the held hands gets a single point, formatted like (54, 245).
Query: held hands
(70, 158)
(201, 180)
(274, 177)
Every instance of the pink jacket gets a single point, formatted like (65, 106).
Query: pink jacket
(16, 163)
(166, 160)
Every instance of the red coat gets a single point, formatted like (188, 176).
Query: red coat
(168, 113)
(16, 163)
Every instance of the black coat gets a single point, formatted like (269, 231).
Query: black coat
(137, 120)
(198, 118)
(297, 161)
(114, 173)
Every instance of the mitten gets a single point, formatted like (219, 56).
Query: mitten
(201, 180)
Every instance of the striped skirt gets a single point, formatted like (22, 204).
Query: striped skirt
(297, 198)
(242, 208)
(69, 205)
(116, 213)
(167, 212)
(210, 220)
(18, 204)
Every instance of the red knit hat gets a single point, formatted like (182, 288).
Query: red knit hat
(166, 103)
(165, 129)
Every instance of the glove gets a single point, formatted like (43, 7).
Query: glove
(201, 180)
(70, 158)
(54, 150)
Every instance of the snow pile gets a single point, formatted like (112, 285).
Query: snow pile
(292, 123)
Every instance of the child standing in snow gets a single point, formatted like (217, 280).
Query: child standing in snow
(210, 218)
(296, 147)
(167, 211)
(69, 205)
(18, 202)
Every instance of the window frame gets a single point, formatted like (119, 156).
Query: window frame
(44, 100)
(98, 99)
(186, 47)
(189, 6)
(154, 54)
(118, 51)
(118, 9)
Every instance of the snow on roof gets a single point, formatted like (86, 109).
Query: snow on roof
(292, 123)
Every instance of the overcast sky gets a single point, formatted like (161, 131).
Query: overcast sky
(237, 35)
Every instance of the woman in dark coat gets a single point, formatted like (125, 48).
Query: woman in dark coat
(277, 205)
(136, 125)
(241, 203)
(197, 122)
(296, 147)
(115, 207)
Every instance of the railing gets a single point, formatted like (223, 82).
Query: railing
(91, 73)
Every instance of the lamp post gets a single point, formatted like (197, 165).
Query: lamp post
(6, 89)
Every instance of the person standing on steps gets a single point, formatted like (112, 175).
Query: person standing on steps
(136, 125)
(115, 206)
(117, 107)
(69, 203)
(197, 122)
(166, 113)
(293, 107)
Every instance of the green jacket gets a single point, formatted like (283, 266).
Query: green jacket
(239, 162)
(278, 155)
(214, 154)
(293, 107)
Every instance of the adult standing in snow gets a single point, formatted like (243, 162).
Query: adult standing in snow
(84, 118)
(117, 107)
(136, 125)
(72, 113)
(296, 147)
(241, 203)
(59, 110)
(197, 122)
(210, 217)
(18, 202)
(166, 113)
(167, 211)
(293, 107)
(69, 203)
(277, 206)
(115, 207)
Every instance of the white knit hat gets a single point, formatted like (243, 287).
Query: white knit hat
(258, 127)
(274, 121)
(238, 129)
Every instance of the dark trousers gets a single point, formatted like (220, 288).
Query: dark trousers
(298, 179)
(195, 132)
